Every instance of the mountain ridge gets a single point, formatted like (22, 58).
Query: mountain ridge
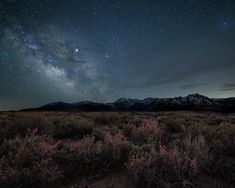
(190, 102)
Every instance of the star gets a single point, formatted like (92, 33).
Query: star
(225, 25)
(106, 49)
(108, 55)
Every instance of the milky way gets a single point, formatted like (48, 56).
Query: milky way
(102, 50)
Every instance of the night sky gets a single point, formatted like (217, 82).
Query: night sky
(100, 50)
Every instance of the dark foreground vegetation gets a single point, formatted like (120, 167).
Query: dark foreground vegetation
(105, 150)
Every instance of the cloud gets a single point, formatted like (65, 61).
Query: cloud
(228, 87)
(188, 86)
(198, 61)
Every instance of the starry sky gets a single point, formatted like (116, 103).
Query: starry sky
(101, 50)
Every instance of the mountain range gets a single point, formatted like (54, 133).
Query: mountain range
(195, 102)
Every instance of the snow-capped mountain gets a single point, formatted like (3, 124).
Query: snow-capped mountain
(190, 102)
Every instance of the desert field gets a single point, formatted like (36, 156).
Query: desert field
(117, 149)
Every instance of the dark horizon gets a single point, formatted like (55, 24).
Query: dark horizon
(122, 98)
(102, 50)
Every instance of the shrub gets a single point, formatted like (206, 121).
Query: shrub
(221, 139)
(28, 161)
(194, 147)
(175, 125)
(128, 129)
(214, 121)
(87, 148)
(107, 119)
(96, 156)
(222, 150)
(19, 123)
(136, 167)
(72, 128)
(90, 156)
(199, 155)
(65, 157)
(148, 131)
(162, 168)
(222, 168)
(115, 144)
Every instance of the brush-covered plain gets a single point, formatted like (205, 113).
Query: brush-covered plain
(117, 149)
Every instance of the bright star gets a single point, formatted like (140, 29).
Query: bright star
(108, 55)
